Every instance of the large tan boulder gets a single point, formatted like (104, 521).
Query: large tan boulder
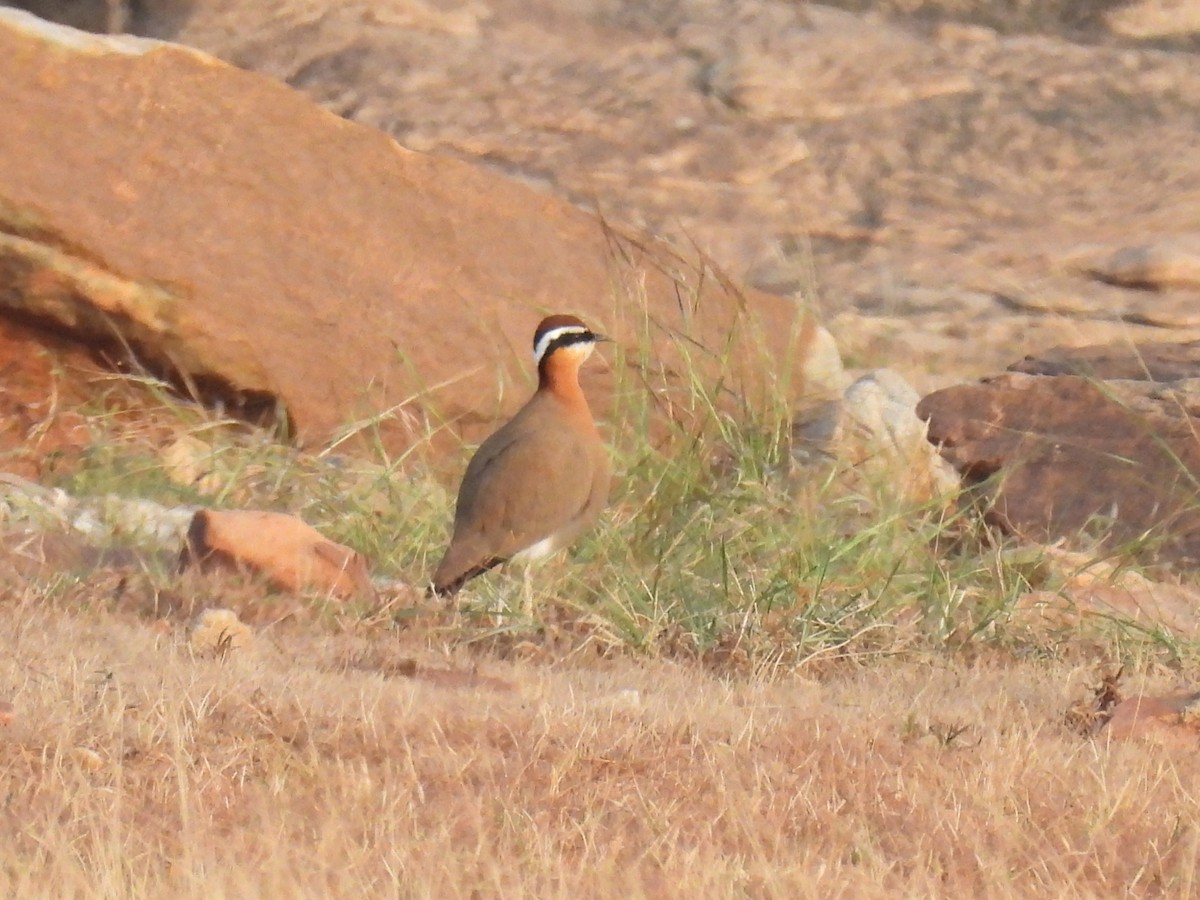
(236, 235)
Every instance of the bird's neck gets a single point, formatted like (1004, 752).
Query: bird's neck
(560, 379)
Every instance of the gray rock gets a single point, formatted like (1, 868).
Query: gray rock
(881, 432)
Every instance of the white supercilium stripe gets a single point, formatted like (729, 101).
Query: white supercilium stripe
(552, 335)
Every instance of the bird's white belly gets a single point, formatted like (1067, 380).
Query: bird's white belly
(540, 550)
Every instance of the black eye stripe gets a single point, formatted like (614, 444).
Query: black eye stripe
(566, 338)
(571, 337)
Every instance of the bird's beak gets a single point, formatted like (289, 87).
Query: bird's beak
(602, 338)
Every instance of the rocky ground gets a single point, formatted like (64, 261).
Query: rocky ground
(946, 195)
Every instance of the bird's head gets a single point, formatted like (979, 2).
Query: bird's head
(563, 337)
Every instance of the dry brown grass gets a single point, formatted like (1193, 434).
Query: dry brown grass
(350, 761)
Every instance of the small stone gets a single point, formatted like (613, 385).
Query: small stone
(218, 631)
(1154, 19)
(1155, 718)
(1162, 264)
(627, 699)
(1135, 599)
(87, 759)
(189, 461)
(882, 434)
(1160, 362)
(294, 556)
(7, 713)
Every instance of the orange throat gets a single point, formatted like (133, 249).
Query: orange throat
(559, 375)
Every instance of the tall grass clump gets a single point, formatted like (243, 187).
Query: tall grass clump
(718, 542)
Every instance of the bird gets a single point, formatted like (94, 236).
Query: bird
(541, 479)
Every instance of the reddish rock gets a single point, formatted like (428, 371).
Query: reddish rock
(239, 236)
(1131, 597)
(291, 554)
(1159, 265)
(1053, 455)
(1162, 362)
(1171, 718)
